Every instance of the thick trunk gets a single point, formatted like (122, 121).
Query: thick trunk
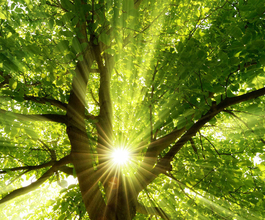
(104, 125)
(80, 150)
(122, 200)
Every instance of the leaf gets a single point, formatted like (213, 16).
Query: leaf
(62, 217)
(76, 45)
(84, 46)
(63, 183)
(59, 22)
(104, 38)
(62, 46)
(66, 4)
(2, 15)
(236, 32)
(12, 84)
(201, 54)
(31, 133)
(2, 79)
(33, 48)
(247, 38)
(80, 58)
(19, 10)
(256, 45)
(67, 17)
(14, 131)
(19, 98)
(66, 33)
(261, 60)
(64, 206)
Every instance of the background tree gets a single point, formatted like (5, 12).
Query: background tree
(179, 84)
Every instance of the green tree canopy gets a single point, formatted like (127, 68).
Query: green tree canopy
(177, 83)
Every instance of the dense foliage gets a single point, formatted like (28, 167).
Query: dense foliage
(179, 83)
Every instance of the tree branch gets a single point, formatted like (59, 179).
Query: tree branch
(67, 170)
(43, 100)
(137, 3)
(41, 117)
(42, 179)
(234, 115)
(157, 146)
(51, 151)
(28, 168)
(164, 165)
(193, 146)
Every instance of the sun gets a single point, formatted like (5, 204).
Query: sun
(120, 156)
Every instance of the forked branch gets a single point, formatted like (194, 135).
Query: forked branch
(34, 185)
(164, 165)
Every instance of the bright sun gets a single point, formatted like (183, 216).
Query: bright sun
(120, 156)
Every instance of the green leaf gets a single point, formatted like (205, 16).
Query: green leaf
(19, 10)
(2, 79)
(104, 38)
(84, 46)
(31, 133)
(236, 32)
(66, 4)
(62, 46)
(261, 60)
(12, 84)
(59, 22)
(66, 33)
(80, 58)
(201, 54)
(62, 217)
(76, 45)
(19, 98)
(2, 15)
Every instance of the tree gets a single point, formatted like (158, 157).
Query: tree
(180, 84)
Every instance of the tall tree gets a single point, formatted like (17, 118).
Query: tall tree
(177, 83)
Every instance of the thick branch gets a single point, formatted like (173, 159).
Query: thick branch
(28, 168)
(41, 117)
(67, 170)
(157, 146)
(90, 117)
(43, 100)
(137, 3)
(42, 179)
(164, 165)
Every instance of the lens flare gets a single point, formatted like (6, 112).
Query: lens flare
(120, 156)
